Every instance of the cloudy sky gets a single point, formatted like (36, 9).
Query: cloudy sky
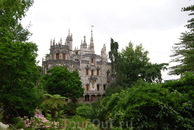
(156, 24)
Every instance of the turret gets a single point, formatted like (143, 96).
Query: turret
(84, 44)
(61, 41)
(69, 41)
(103, 53)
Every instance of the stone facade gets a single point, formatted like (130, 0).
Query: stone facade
(93, 69)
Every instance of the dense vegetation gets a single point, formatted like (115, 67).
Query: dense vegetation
(137, 99)
(19, 72)
(63, 82)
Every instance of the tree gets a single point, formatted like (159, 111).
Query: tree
(183, 85)
(19, 75)
(152, 72)
(183, 52)
(137, 65)
(85, 111)
(54, 103)
(19, 72)
(117, 65)
(63, 82)
(113, 54)
(147, 106)
(11, 13)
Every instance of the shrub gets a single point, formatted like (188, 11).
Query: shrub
(85, 111)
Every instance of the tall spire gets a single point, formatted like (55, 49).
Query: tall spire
(91, 40)
(51, 42)
(54, 41)
(84, 39)
(61, 41)
(84, 44)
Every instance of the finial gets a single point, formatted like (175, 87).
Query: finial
(84, 38)
(92, 27)
(91, 39)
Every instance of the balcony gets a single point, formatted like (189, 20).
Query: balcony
(94, 92)
(93, 77)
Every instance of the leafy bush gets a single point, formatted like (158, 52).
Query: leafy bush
(147, 106)
(70, 109)
(112, 90)
(37, 122)
(184, 85)
(85, 111)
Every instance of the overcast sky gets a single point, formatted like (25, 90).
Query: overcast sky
(156, 24)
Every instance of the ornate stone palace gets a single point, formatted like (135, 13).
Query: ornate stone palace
(93, 69)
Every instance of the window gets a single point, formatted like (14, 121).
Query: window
(92, 60)
(87, 87)
(87, 97)
(92, 72)
(57, 56)
(97, 72)
(86, 71)
(64, 57)
(98, 87)
(104, 86)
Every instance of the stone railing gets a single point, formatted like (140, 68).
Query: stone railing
(94, 92)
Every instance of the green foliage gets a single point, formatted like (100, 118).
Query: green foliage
(70, 109)
(60, 81)
(152, 72)
(85, 111)
(113, 89)
(191, 21)
(183, 85)
(147, 106)
(101, 111)
(137, 65)
(11, 13)
(54, 103)
(117, 65)
(19, 75)
(183, 52)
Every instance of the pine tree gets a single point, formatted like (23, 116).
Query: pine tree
(183, 52)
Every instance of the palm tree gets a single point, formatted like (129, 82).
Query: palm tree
(54, 103)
